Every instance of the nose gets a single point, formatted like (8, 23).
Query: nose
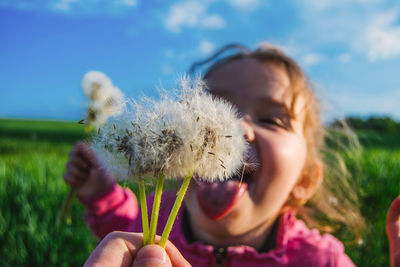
(249, 131)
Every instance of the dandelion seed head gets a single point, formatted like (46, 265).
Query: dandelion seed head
(96, 85)
(190, 132)
(215, 119)
(106, 100)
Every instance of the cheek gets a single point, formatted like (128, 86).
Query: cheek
(282, 159)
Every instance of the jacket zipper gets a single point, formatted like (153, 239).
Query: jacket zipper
(220, 254)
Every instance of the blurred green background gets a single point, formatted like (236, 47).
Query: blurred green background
(33, 155)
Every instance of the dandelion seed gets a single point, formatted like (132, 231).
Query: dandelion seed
(333, 200)
(211, 153)
(241, 176)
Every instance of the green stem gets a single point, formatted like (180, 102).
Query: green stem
(67, 203)
(156, 209)
(143, 207)
(174, 211)
(66, 206)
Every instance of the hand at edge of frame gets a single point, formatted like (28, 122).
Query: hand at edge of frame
(393, 232)
(124, 249)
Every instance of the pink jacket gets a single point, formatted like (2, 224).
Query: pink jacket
(296, 245)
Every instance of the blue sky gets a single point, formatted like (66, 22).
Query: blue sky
(350, 49)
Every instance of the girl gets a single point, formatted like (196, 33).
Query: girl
(254, 224)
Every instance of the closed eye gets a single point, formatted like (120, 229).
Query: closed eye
(275, 122)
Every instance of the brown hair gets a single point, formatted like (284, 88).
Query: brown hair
(335, 205)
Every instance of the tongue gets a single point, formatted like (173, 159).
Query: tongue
(217, 199)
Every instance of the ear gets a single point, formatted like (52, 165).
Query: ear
(309, 182)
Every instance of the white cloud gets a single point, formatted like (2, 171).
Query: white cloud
(330, 4)
(73, 7)
(382, 36)
(350, 101)
(312, 59)
(63, 5)
(169, 53)
(360, 25)
(213, 21)
(167, 69)
(129, 3)
(244, 4)
(192, 14)
(344, 58)
(206, 47)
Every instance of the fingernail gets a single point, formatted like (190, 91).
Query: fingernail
(151, 254)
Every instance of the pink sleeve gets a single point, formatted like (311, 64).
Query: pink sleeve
(115, 210)
(344, 261)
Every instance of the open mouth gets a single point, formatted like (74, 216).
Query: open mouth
(217, 199)
(245, 174)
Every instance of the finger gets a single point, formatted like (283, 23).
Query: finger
(80, 176)
(76, 150)
(177, 260)
(87, 154)
(80, 163)
(71, 180)
(116, 249)
(152, 255)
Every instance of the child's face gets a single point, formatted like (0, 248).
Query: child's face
(262, 94)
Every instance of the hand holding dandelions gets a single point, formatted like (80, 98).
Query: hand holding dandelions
(84, 172)
(393, 232)
(125, 249)
(105, 100)
(189, 134)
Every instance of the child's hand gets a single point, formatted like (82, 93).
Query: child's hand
(393, 231)
(126, 249)
(85, 173)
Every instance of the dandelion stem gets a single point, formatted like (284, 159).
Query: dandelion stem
(66, 207)
(143, 207)
(65, 211)
(156, 209)
(174, 211)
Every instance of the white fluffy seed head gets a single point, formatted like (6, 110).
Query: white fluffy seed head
(105, 99)
(96, 85)
(189, 133)
(219, 145)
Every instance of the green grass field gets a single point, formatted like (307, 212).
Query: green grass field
(32, 161)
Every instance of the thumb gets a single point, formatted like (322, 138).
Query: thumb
(152, 255)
